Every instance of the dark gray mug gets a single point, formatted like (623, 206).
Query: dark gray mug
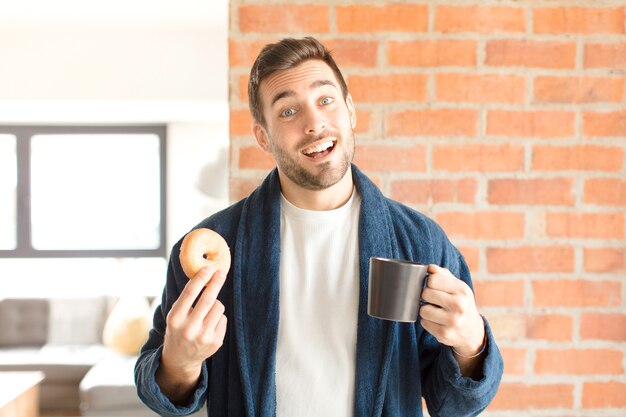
(395, 289)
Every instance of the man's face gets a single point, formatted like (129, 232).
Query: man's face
(308, 125)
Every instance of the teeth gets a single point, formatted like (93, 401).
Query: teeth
(319, 148)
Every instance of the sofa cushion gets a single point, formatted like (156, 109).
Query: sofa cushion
(127, 327)
(77, 321)
(24, 322)
(110, 385)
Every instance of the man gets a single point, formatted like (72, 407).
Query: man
(298, 340)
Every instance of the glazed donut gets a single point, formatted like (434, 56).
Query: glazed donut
(203, 247)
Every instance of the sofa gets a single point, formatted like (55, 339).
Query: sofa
(86, 348)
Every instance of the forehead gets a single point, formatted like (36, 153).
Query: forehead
(298, 77)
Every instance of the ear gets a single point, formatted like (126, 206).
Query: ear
(351, 110)
(261, 136)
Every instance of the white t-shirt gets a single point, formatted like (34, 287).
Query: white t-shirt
(319, 300)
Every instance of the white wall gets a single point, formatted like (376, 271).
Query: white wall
(76, 62)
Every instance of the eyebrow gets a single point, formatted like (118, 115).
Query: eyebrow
(289, 93)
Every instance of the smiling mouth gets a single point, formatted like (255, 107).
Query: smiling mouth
(320, 149)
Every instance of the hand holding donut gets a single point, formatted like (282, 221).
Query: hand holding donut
(194, 332)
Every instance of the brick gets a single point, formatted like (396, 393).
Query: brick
(604, 259)
(578, 361)
(553, 327)
(388, 158)
(291, 18)
(432, 191)
(452, 19)
(578, 89)
(482, 224)
(576, 293)
(531, 124)
(530, 54)
(363, 119)
(346, 52)
(561, 20)
(242, 187)
(242, 86)
(353, 52)
(432, 122)
(518, 396)
(599, 326)
(432, 53)
(471, 255)
(478, 157)
(605, 191)
(604, 123)
(252, 157)
(514, 360)
(605, 55)
(507, 326)
(530, 259)
(585, 225)
(240, 122)
(500, 293)
(579, 158)
(385, 18)
(242, 53)
(483, 88)
(610, 394)
(388, 87)
(540, 191)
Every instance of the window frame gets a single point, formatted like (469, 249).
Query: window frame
(23, 135)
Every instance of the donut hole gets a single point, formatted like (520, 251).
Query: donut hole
(210, 256)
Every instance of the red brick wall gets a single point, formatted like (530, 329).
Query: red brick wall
(506, 122)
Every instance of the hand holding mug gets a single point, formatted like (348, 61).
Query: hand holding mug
(450, 313)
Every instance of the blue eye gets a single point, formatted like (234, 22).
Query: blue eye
(326, 100)
(287, 113)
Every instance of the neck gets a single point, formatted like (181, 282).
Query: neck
(328, 199)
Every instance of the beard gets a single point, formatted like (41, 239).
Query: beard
(326, 174)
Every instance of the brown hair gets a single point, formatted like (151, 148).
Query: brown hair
(283, 55)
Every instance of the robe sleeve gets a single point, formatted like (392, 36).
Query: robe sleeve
(446, 390)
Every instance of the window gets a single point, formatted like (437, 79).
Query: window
(82, 191)
(8, 196)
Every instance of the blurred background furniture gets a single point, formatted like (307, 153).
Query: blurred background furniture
(19, 395)
(62, 339)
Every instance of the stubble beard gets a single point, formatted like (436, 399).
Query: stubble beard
(326, 175)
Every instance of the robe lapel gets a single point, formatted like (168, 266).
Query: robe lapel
(374, 336)
(256, 296)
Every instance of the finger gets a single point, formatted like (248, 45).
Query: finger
(214, 336)
(434, 314)
(191, 291)
(436, 297)
(214, 286)
(441, 279)
(208, 297)
(214, 315)
(220, 329)
(433, 328)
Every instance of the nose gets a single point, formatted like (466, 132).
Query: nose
(314, 122)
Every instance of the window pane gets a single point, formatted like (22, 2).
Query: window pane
(8, 197)
(95, 191)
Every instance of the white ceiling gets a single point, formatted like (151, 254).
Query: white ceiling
(210, 15)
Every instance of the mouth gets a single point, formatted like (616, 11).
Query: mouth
(320, 149)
